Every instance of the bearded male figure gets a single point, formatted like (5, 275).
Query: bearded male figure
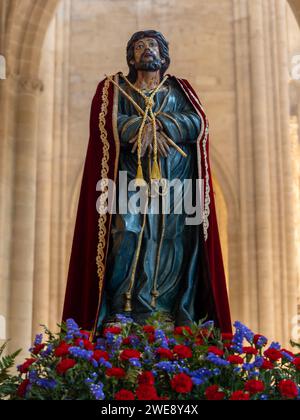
(150, 126)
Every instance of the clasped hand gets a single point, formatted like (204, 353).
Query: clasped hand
(147, 141)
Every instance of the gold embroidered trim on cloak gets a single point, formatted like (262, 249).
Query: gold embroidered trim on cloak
(104, 195)
(207, 186)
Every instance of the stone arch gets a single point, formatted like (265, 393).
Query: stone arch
(295, 6)
(26, 26)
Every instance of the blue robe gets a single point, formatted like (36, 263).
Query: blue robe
(169, 248)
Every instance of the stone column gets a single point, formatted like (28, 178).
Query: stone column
(8, 90)
(23, 229)
(244, 293)
(289, 219)
(41, 292)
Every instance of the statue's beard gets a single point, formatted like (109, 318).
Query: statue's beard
(154, 65)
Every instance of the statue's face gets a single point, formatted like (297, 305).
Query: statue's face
(147, 55)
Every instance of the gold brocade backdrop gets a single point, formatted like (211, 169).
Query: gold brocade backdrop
(241, 56)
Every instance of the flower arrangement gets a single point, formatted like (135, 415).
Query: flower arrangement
(155, 362)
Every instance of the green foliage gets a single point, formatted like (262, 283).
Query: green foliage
(8, 383)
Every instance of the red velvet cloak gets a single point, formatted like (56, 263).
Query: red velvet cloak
(87, 267)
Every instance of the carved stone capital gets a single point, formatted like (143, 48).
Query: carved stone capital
(26, 84)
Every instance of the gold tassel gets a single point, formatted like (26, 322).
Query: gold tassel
(139, 179)
(155, 295)
(128, 307)
(155, 172)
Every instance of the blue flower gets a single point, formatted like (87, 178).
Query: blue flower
(216, 360)
(81, 353)
(72, 329)
(254, 374)
(264, 397)
(198, 381)
(166, 366)
(161, 338)
(247, 366)
(124, 319)
(100, 344)
(97, 391)
(259, 361)
(134, 341)
(33, 376)
(275, 346)
(261, 342)
(135, 362)
(242, 332)
(105, 363)
(94, 363)
(47, 351)
(116, 344)
(287, 356)
(46, 383)
(38, 339)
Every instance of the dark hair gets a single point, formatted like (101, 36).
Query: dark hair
(163, 48)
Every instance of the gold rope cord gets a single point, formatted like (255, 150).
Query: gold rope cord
(139, 109)
(149, 102)
(128, 294)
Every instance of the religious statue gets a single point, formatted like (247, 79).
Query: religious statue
(149, 129)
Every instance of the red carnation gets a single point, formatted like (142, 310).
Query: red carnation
(38, 348)
(130, 354)
(267, 365)
(146, 378)
(126, 341)
(183, 352)
(212, 393)
(215, 350)
(164, 353)
(22, 389)
(273, 354)
(254, 387)
(250, 350)
(112, 330)
(235, 360)
(149, 329)
(100, 354)
(62, 349)
(181, 330)
(297, 363)
(115, 372)
(239, 396)
(182, 383)
(124, 394)
(26, 365)
(86, 343)
(65, 365)
(288, 389)
(146, 392)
